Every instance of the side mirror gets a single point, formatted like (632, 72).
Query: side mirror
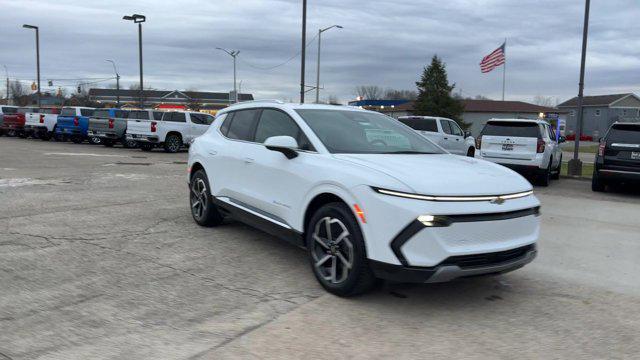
(561, 139)
(284, 144)
(467, 134)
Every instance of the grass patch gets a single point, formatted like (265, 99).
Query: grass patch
(589, 149)
(587, 169)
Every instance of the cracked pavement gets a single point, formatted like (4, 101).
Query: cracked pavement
(100, 259)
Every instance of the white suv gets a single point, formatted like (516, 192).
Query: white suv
(364, 194)
(530, 147)
(442, 131)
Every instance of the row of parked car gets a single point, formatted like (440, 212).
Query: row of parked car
(143, 128)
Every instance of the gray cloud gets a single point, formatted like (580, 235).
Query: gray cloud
(385, 43)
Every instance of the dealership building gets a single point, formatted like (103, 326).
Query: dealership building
(166, 98)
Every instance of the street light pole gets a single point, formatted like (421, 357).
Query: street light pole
(233, 54)
(575, 164)
(37, 56)
(117, 82)
(139, 19)
(304, 47)
(318, 63)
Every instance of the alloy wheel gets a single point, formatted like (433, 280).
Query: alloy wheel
(199, 199)
(174, 144)
(332, 250)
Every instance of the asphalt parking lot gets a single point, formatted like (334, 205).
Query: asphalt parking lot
(100, 259)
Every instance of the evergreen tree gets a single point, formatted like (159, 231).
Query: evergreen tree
(435, 94)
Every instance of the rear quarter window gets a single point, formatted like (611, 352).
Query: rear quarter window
(624, 133)
(512, 129)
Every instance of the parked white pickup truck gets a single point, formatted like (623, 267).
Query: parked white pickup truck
(442, 131)
(41, 123)
(177, 128)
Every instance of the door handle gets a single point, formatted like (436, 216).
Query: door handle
(248, 160)
(446, 138)
(213, 152)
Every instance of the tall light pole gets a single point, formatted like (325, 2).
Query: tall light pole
(138, 19)
(6, 72)
(37, 55)
(575, 165)
(318, 64)
(233, 54)
(117, 82)
(304, 47)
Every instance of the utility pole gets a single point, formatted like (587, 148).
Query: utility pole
(37, 56)
(139, 19)
(304, 47)
(7, 74)
(318, 63)
(233, 54)
(575, 165)
(117, 82)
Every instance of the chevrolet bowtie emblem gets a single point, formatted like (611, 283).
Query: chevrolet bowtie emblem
(498, 201)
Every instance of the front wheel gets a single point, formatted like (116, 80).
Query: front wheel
(597, 185)
(76, 139)
(94, 140)
(203, 210)
(108, 142)
(545, 178)
(337, 252)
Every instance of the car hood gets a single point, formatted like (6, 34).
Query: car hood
(443, 174)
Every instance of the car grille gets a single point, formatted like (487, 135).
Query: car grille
(467, 261)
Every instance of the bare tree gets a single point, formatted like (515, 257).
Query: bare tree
(18, 93)
(333, 100)
(543, 100)
(369, 92)
(393, 94)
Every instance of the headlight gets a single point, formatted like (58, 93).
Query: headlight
(434, 220)
(494, 198)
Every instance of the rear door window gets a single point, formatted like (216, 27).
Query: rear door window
(86, 112)
(242, 125)
(512, 129)
(157, 115)
(624, 134)
(176, 117)
(421, 124)
(101, 113)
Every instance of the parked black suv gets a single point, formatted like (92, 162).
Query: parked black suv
(618, 157)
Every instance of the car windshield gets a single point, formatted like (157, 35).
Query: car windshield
(359, 132)
(9, 110)
(68, 112)
(511, 128)
(625, 133)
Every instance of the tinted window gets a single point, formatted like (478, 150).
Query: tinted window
(49, 111)
(209, 119)
(624, 133)
(27, 110)
(360, 132)
(102, 113)
(455, 129)
(242, 125)
(275, 123)
(201, 119)
(446, 127)
(86, 112)
(123, 114)
(9, 110)
(421, 124)
(226, 118)
(511, 128)
(175, 117)
(68, 112)
(157, 115)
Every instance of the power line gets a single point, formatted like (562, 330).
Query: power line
(282, 63)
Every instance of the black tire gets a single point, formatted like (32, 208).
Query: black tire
(597, 185)
(146, 146)
(203, 210)
(172, 143)
(108, 142)
(11, 133)
(545, 178)
(22, 135)
(45, 136)
(359, 279)
(77, 139)
(129, 144)
(471, 152)
(556, 173)
(94, 140)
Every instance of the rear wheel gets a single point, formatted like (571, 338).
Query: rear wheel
(129, 143)
(556, 173)
(471, 152)
(77, 139)
(146, 146)
(108, 142)
(597, 184)
(172, 143)
(545, 178)
(45, 136)
(337, 252)
(203, 210)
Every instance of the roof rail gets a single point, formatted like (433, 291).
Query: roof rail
(274, 101)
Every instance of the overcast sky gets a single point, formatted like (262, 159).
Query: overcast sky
(384, 43)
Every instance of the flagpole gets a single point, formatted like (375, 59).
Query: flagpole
(504, 68)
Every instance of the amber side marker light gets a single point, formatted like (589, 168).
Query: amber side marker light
(360, 213)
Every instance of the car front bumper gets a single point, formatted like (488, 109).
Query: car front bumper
(458, 267)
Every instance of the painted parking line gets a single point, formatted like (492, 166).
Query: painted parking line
(84, 154)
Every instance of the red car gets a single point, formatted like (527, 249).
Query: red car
(13, 124)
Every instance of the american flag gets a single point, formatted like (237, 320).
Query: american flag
(493, 60)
